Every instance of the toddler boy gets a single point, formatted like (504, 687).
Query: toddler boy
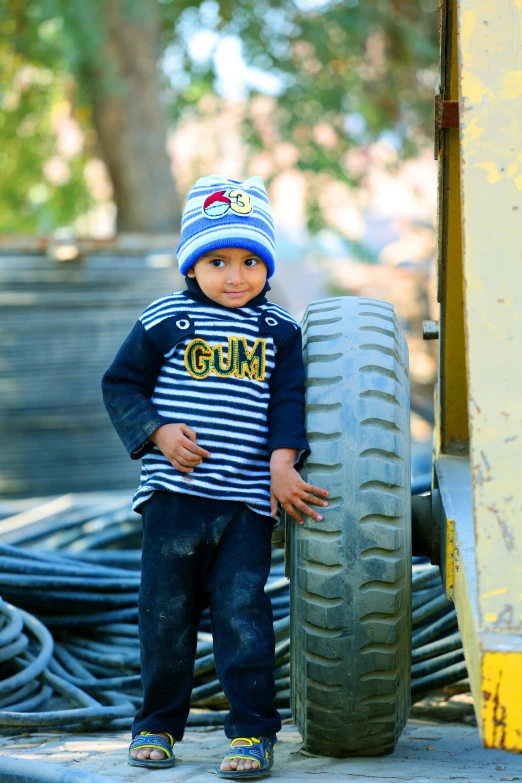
(208, 390)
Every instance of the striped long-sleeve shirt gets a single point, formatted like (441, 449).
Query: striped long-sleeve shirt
(234, 375)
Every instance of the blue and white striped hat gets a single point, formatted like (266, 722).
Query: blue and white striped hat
(226, 213)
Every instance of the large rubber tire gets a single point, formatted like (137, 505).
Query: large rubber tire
(350, 590)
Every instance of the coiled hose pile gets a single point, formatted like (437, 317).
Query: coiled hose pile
(69, 648)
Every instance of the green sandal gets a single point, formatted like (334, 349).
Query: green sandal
(147, 739)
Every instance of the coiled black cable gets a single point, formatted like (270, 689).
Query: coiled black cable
(68, 627)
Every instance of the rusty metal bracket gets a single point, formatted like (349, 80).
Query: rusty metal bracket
(448, 113)
(446, 116)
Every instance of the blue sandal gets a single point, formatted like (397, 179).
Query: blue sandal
(260, 749)
(147, 739)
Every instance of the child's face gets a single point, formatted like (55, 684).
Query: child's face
(230, 276)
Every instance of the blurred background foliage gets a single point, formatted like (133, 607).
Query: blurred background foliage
(340, 76)
(110, 109)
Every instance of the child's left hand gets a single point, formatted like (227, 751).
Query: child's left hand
(288, 488)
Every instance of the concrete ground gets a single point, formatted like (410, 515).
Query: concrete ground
(427, 751)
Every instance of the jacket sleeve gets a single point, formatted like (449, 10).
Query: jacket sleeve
(286, 410)
(127, 387)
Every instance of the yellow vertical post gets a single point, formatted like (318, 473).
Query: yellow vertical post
(451, 435)
(490, 79)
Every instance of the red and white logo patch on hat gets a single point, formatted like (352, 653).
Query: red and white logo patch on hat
(222, 201)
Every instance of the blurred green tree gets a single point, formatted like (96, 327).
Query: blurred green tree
(33, 87)
(346, 73)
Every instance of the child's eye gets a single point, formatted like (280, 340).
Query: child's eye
(253, 260)
(217, 261)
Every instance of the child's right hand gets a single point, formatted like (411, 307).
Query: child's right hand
(178, 443)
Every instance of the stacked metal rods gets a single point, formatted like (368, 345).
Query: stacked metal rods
(53, 314)
(69, 647)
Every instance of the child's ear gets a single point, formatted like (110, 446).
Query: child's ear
(190, 272)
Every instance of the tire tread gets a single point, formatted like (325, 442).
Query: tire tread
(351, 593)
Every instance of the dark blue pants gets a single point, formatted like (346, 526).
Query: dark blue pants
(200, 552)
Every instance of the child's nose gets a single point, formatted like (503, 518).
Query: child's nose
(234, 276)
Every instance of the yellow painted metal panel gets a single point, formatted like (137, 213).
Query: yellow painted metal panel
(450, 558)
(493, 660)
(502, 700)
(454, 481)
(480, 376)
(490, 62)
(454, 420)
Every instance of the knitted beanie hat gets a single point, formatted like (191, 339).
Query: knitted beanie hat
(226, 213)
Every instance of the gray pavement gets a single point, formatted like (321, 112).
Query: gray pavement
(427, 751)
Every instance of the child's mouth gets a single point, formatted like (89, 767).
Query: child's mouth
(235, 293)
